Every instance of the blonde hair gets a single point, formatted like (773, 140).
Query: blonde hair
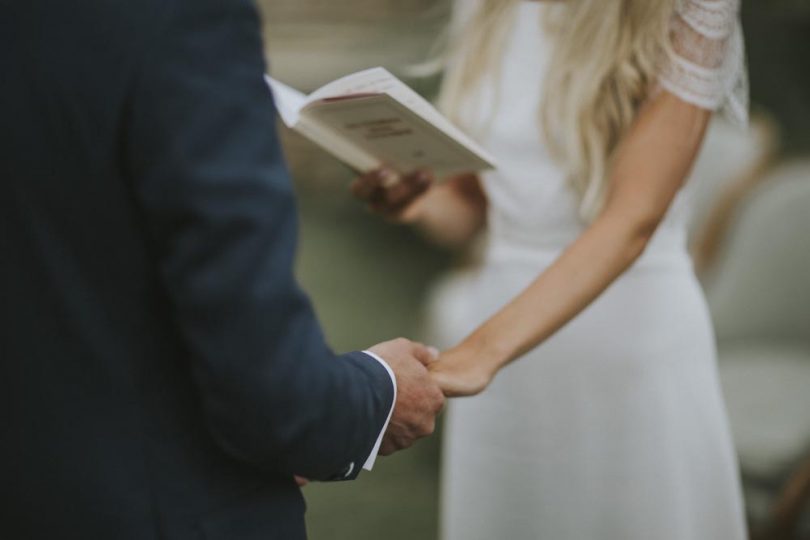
(603, 66)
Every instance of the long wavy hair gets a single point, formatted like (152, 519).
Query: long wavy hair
(605, 58)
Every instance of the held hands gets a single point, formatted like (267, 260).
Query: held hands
(459, 373)
(423, 381)
(392, 195)
(419, 398)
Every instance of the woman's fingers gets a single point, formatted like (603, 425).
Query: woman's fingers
(459, 377)
(411, 187)
(365, 186)
(388, 193)
(451, 386)
(400, 193)
(426, 355)
(395, 201)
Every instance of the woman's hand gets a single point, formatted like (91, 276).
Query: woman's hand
(392, 195)
(461, 374)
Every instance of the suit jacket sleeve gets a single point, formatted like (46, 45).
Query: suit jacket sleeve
(207, 171)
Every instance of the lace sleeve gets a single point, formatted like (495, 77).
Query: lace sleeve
(705, 65)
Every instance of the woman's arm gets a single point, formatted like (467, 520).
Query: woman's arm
(450, 214)
(453, 213)
(650, 166)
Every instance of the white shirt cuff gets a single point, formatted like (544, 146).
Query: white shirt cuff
(369, 464)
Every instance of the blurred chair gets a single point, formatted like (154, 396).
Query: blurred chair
(732, 161)
(757, 279)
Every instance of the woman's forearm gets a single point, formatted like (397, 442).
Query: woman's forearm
(452, 214)
(649, 168)
(588, 267)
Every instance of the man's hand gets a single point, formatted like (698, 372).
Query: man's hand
(419, 398)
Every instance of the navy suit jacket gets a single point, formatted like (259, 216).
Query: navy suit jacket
(161, 374)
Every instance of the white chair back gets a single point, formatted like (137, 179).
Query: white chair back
(760, 287)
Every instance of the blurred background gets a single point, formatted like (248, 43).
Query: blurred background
(751, 239)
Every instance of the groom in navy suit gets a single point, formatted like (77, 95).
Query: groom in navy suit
(162, 376)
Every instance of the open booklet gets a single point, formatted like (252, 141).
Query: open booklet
(371, 118)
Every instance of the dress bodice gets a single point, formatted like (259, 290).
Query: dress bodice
(532, 204)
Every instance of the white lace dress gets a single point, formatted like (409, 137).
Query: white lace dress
(615, 428)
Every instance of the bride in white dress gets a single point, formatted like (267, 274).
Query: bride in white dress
(583, 334)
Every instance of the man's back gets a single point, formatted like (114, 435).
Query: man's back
(146, 236)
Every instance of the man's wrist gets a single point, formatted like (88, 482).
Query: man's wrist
(388, 369)
(369, 463)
